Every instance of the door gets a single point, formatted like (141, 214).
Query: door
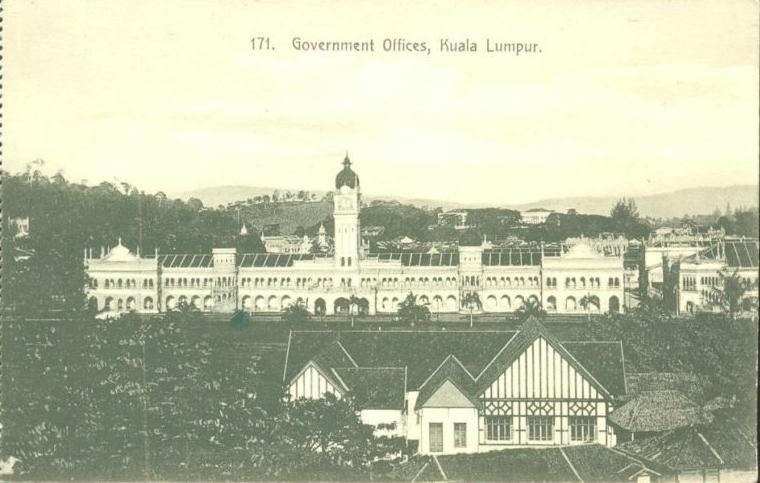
(436, 437)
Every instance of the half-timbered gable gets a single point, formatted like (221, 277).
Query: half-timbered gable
(466, 391)
(537, 393)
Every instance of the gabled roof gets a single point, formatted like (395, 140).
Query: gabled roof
(449, 370)
(603, 359)
(651, 411)
(726, 443)
(375, 387)
(421, 352)
(471, 360)
(529, 332)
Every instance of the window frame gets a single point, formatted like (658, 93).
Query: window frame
(540, 423)
(584, 424)
(439, 446)
(498, 425)
(460, 435)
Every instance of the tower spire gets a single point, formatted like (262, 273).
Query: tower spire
(346, 161)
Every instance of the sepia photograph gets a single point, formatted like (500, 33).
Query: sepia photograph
(393, 242)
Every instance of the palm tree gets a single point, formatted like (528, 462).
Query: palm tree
(296, 314)
(732, 293)
(411, 312)
(353, 307)
(472, 301)
(531, 308)
(587, 301)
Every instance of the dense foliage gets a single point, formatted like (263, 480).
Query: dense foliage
(721, 351)
(166, 398)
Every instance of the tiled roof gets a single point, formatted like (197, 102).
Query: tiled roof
(596, 463)
(270, 260)
(726, 443)
(186, 261)
(421, 352)
(376, 387)
(590, 462)
(651, 411)
(691, 385)
(604, 360)
(469, 359)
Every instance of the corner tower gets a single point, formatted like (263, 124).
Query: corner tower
(347, 199)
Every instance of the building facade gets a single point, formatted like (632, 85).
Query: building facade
(700, 277)
(563, 280)
(466, 391)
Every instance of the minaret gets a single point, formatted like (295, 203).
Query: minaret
(346, 213)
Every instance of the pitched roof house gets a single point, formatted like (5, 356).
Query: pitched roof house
(465, 391)
(725, 450)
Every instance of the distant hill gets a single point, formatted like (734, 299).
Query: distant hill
(691, 201)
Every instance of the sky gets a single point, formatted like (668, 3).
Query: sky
(625, 98)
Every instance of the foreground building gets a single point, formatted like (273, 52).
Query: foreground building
(453, 392)
(563, 280)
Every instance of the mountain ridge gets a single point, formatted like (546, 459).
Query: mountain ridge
(687, 201)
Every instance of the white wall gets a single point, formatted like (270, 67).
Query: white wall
(449, 416)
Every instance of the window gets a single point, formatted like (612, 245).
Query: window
(460, 435)
(498, 428)
(540, 428)
(582, 428)
(436, 437)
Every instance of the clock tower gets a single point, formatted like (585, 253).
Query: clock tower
(347, 198)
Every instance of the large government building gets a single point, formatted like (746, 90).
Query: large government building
(562, 280)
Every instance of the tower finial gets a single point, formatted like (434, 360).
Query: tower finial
(346, 161)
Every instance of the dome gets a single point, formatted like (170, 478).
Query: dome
(347, 177)
(470, 238)
(120, 253)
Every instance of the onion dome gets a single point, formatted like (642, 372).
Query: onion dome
(470, 238)
(347, 177)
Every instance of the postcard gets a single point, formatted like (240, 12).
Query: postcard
(400, 241)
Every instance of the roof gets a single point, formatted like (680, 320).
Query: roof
(651, 411)
(596, 463)
(689, 384)
(186, 261)
(375, 387)
(602, 359)
(742, 254)
(726, 443)
(529, 332)
(511, 256)
(736, 253)
(270, 260)
(422, 259)
(471, 360)
(346, 176)
(421, 352)
(449, 370)
(589, 463)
